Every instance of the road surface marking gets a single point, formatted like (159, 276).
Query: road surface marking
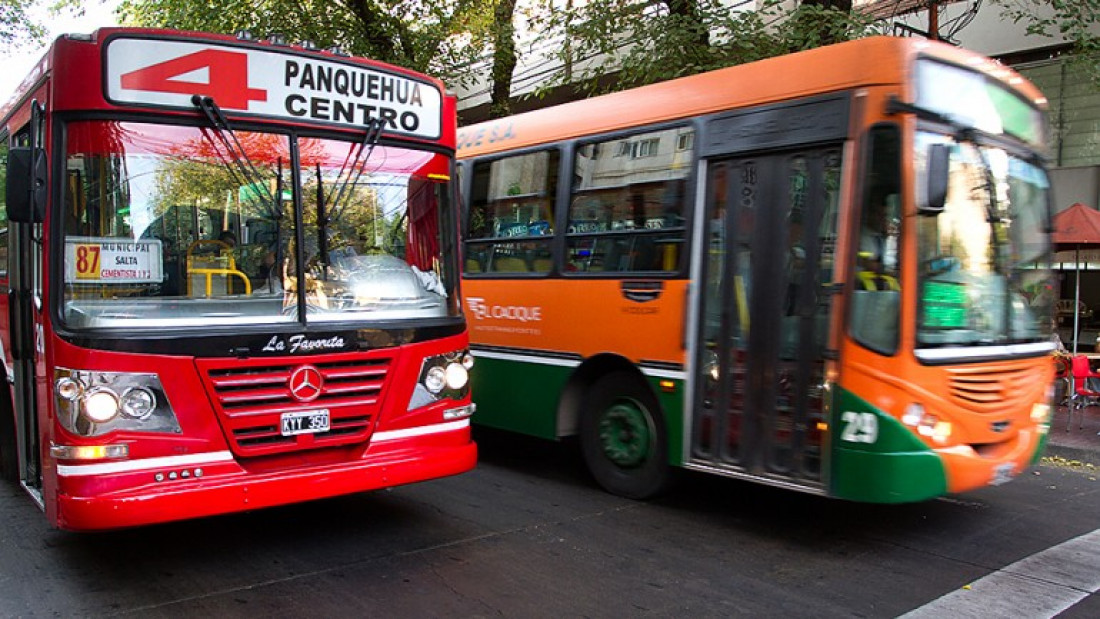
(1042, 585)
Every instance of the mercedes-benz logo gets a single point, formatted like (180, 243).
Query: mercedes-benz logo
(305, 383)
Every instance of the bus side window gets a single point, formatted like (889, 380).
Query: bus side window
(628, 204)
(876, 304)
(510, 222)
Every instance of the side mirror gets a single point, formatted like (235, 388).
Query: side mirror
(939, 166)
(26, 185)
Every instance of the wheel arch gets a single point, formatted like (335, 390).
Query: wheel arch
(587, 373)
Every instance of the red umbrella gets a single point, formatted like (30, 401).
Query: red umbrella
(1076, 227)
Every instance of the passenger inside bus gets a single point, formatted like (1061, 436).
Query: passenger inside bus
(878, 245)
(227, 237)
(876, 298)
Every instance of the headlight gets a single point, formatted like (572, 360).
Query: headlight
(100, 405)
(69, 389)
(435, 379)
(456, 376)
(913, 414)
(92, 403)
(443, 376)
(1040, 413)
(927, 424)
(138, 403)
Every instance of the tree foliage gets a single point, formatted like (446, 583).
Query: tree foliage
(1076, 21)
(645, 41)
(424, 36)
(19, 26)
(635, 41)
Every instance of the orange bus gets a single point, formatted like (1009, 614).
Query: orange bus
(230, 270)
(827, 271)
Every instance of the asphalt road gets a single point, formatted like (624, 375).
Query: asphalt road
(528, 535)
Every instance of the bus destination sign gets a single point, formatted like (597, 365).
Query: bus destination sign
(270, 83)
(110, 260)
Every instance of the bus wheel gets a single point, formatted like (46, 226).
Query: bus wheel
(623, 437)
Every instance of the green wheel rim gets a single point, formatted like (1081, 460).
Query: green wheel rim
(625, 434)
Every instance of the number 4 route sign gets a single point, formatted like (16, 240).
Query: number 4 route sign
(277, 84)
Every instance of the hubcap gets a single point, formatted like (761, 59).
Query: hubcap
(625, 434)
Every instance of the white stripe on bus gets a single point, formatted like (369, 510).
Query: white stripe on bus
(568, 363)
(975, 352)
(1041, 585)
(438, 428)
(128, 466)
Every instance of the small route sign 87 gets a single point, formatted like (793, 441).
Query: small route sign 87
(113, 260)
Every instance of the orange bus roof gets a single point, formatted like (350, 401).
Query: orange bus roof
(865, 62)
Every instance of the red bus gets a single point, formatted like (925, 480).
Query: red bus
(231, 275)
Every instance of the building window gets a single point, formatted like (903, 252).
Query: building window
(645, 148)
(685, 141)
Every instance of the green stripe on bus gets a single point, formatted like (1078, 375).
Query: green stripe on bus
(518, 397)
(523, 397)
(672, 404)
(1041, 449)
(877, 459)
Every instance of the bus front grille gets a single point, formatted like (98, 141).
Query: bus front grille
(251, 398)
(991, 390)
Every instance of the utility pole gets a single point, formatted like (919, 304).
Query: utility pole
(933, 20)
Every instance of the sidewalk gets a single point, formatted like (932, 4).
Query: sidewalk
(1080, 441)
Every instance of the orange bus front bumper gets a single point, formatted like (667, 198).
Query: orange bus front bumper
(968, 470)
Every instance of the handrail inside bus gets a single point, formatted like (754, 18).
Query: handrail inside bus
(210, 265)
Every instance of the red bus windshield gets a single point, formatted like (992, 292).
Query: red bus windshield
(166, 225)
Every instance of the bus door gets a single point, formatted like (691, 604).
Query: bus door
(770, 220)
(24, 355)
(25, 352)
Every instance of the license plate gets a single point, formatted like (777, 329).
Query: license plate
(1003, 473)
(305, 422)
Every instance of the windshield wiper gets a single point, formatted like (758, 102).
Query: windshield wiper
(330, 211)
(240, 166)
(991, 206)
(355, 170)
(897, 106)
(961, 133)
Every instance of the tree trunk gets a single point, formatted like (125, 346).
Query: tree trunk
(828, 37)
(840, 5)
(688, 11)
(504, 59)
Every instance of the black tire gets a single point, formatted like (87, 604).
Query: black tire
(623, 437)
(9, 459)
